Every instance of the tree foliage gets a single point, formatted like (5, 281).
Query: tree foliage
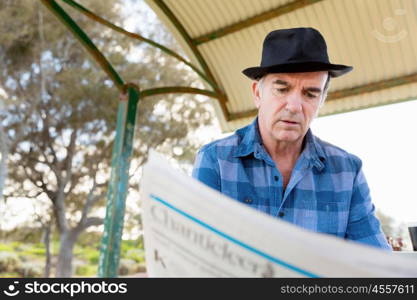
(59, 111)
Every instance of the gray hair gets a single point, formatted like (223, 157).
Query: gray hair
(325, 90)
(260, 84)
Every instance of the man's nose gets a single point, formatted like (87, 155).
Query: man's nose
(294, 102)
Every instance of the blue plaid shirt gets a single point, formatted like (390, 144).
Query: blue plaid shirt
(327, 191)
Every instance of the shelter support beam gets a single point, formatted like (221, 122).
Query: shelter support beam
(273, 13)
(118, 185)
(175, 90)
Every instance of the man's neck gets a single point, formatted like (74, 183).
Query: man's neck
(283, 151)
(285, 156)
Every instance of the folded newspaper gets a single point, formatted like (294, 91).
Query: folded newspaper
(191, 230)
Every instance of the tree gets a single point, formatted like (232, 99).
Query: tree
(61, 111)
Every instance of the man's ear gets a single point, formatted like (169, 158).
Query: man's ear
(256, 94)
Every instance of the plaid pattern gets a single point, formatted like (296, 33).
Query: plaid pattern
(327, 191)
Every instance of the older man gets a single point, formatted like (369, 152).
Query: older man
(276, 164)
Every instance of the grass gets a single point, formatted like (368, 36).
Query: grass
(86, 257)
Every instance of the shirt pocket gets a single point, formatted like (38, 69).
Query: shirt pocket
(332, 217)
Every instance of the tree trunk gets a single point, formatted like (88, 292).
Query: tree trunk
(47, 242)
(3, 172)
(64, 263)
(4, 151)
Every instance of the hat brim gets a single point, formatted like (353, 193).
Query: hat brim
(334, 70)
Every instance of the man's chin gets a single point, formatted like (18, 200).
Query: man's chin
(288, 137)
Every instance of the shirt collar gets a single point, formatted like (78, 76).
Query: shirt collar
(314, 151)
(251, 139)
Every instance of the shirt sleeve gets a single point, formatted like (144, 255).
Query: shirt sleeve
(206, 168)
(363, 225)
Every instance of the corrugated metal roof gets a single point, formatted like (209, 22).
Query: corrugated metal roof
(200, 17)
(377, 37)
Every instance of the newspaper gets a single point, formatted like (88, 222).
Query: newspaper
(191, 230)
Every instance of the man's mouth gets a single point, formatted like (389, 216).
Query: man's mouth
(289, 122)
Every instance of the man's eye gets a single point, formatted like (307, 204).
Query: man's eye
(311, 96)
(281, 90)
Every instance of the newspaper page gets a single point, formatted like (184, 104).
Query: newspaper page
(191, 230)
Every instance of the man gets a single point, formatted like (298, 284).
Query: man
(276, 164)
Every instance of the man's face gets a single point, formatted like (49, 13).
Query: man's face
(287, 103)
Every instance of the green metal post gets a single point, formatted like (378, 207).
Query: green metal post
(118, 185)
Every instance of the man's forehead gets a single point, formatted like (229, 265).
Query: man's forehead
(309, 77)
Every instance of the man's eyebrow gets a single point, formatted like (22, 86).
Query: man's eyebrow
(313, 89)
(279, 81)
(308, 89)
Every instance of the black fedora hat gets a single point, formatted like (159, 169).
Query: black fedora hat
(295, 50)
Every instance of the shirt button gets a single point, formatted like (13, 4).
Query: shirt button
(247, 200)
(276, 178)
(281, 214)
